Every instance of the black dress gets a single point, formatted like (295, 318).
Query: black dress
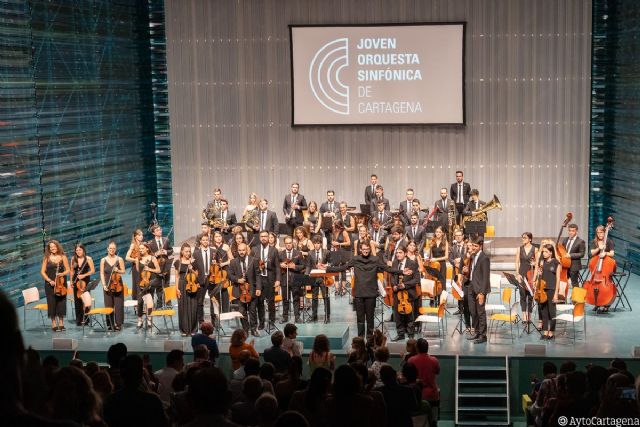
(113, 299)
(135, 280)
(56, 306)
(438, 251)
(187, 303)
(313, 219)
(548, 309)
(526, 300)
(78, 304)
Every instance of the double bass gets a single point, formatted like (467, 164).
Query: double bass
(565, 259)
(601, 291)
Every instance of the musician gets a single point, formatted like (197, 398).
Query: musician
(393, 243)
(292, 207)
(242, 270)
(370, 190)
(132, 256)
(439, 252)
(54, 264)
(110, 265)
(237, 240)
(312, 218)
(576, 249)
(474, 204)
(363, 234)
(382, 215)
(268, 222)
(81, 269)
(415, 231)
(146, 262)
(268, 278)
(216, 203)
(365, 272)
(162, 250)
(404, 282)
(378, 236)
(479, 288)
(340, 244)
(228, 218)
(292, 265)
(441, 216)
(303, 242)
(413, 254)
(187, 301)
(203, 258)
(406, 207)
(222, 256)
(248, 213)
(456, 256)
(598, 247)
(525, 262)
(347, 219)
(379, 197)
(550, 270)
(415, 207)
(317, 259)
(328, 211)
(460, 192)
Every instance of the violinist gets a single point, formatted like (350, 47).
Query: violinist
(237, 239)
(162, 250)
(268, 279)
(242, 273)
(378, 235)
(439, 252)
(303, 242)
(203, 258)
(222, 256)
(363, 234)
(318, 258)
(149, 268)
(81, 270)
(312, 219)
(347, 219)
(187, 301)
(525, 263)
(292, 264)
(401, 283)
(549, 270)
(133, 256)
(599, 248)
(456, 256)
(339, 242)
(55, 265)
(111, 266)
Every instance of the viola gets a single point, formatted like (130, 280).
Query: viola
(81, 287)
(60, 287)
(191, 278)
(565, 260)
(115, 283)
(404, 305)
(328, 280)
(539, 294)
(245, 294)
(601, 291)
(216, 273)
(145, 279)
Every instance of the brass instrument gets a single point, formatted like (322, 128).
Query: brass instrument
(451, 219)
(481, 213)
(251, 219)
(210, 213)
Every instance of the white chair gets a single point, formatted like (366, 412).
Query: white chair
(30, 296)
(438, 318)
(226, 317)
(576, 316)
(506, 302)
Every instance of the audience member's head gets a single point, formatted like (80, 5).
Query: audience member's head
(575, 384)
(549, 368)
(381, 354)
(131, 369)
(596, 378)
(73, 398)
(175, 359)
(115, 355)
(346, 382)
(267, 371)
(77, 363)
(412, 346)
(50, 363)
(290, 330)
(252, 387)
(388, 375)
(208, 391)
(295, 367)
(567, 367)
(422, 346)
(362, 372)
(252, 367)
(179, 382)
(243, 357)
(410, 373)
(200, 352)
(102, 383)
(291, 419)
(266, 409)
(619, 364)
(277, 338)
(321, 344)
(238, 337)
(318, 387)
(206, 328)
(91, 368)
(358, 345)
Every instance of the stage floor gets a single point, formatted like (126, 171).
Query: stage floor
(608, 335)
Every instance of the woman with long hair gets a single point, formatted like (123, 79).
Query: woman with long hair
(82, 268)
(340, 242)
(312, 218)
(525, 261)
(133, 256)
(549, 270)
(110, 265)
(439, 252)
(147, 262)
(303, 242)
(55, 264)
(187, 301)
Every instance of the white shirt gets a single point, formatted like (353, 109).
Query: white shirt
(460, 200)
(165, 378)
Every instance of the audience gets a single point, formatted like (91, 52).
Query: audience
(348, 406)
(320, 356)
(276, 355)
(238, 345)
(312, 402)
(200, 355)
(244, 412)
(252, 368)
(209, 395)
(292, 383)
(358, 352)
(289, 343)
(165, 376)
(115, 355)
(428, 368)
(381, 357)
(401, 401)
(204, 338)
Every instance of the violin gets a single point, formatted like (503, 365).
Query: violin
(191, 278)
(601, 291)
(404, 305)
(115, 280)
(216, 273)
(60, 288)
(81, 285)
(135, 252)
(539, 294)
(145, 278)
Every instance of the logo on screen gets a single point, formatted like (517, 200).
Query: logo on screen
(324, 76)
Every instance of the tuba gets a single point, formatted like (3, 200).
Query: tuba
(482, 211)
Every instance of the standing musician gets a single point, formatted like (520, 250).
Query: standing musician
(404, 282)
(312, 220)
(379, 197)
(393, 243)
(328, 212)
(370, 190)
(203, 258)
(549, 269)
(268, 222)
(55, 264)
(109, 266)
(205, 229)
(382, 215)
(146, 262)
(242, 271)
(250, 217)
(415, 231)
(378, 236)
(347, 219)
(576, 249)
(268, 278)
(365, 272)
(303, 242)
(413, 254)
(599, 248)
(187, 301)
(457, 252)
(318, 258)
(442, 208)
(222, 257)
(228, 219)
(292, 207)
(162, 250)
(363, 234)
(81, 269)
(479, 289)
(340, 252)
(292, 264)
(525, 262)
(415, 207)
(215, 204)
(474, 204)
(460, 192)
(439, 252)
(406, 207)
(132, 256)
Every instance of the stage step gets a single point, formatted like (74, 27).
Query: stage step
(482, 392)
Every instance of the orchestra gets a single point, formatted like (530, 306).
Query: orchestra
(241, 265)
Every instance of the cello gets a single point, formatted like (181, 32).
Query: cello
(601, 291)
(565, 259)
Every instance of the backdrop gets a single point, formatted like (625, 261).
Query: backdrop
(527, 108)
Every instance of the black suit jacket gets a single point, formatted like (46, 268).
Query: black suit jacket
(167, 247)
(386, 218)
(325, 208)
(441, 216)
(410, 281)
(480, 275)
(312, 259)
(381, 237)
(231, 218)
(299, 266)
(466, 192)
(369, 194)
(405, 214)
(266, 283)
(577, 253)
(455, 252)
(235, 273)
(420, 237)
(471, 206)
(374, 205)
(271, 223)
(286, 209)
(198, 264)
(365, 271)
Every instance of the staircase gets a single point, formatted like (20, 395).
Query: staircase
(482, 392)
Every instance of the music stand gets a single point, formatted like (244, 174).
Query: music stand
(475, 227)
(513, 281)
(322, 274)
(302, 281)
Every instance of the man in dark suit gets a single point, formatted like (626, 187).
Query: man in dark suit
(576, 249)
(276, 355)
(292, 207)
(404, 282)
(242, 270)
(370, 190)
(227, 217)
(379, 197)
(163, 251)
(203, 258)
(382, 215)
(205, 230)
(416, 232)
(378, 235)
(290, 271)
(268, 278)
(406, 207)
(474, 203)
(268, 221)
(460, 192)
(442, 206)
(457, 252)
(318, 256)
(328, 212)
(395, 240)
(479, 288)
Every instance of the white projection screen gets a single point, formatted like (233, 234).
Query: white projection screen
(378, 74)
